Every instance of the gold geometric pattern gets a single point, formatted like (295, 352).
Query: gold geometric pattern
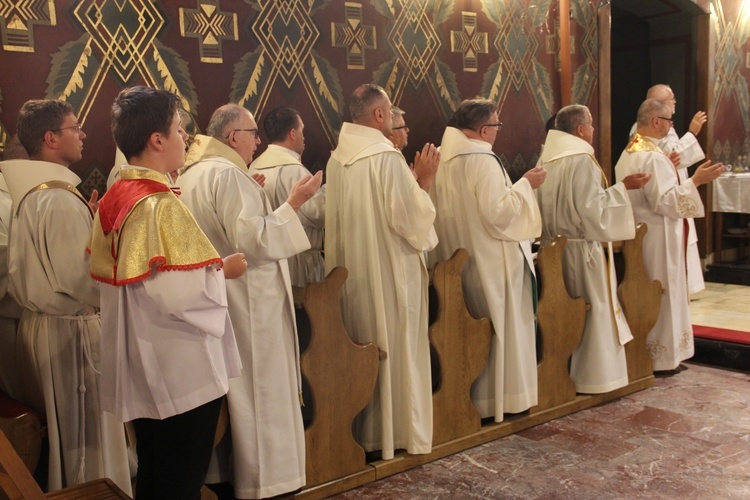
(517, 44)
(415, 40)
(354, 36)
(124, 30)
(209, 25)
(469, 41)
(290, 19)
(17, 20)
(552, 44)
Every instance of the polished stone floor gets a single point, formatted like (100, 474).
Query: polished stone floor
(687, 437)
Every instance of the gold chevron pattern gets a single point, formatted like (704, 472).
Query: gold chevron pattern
(415, 40)
(17, 20)
(210, 26)
(469, 41)
(286, 30)
(122, 30)
(354, 36)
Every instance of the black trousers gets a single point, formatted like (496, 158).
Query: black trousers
(174, 453)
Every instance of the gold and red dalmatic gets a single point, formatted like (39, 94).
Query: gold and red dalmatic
(160, 232)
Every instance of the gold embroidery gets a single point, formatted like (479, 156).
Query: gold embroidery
(161, 233)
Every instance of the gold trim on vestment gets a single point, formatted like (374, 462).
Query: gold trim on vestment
(56, 185)
(641, 143)
(159, 232)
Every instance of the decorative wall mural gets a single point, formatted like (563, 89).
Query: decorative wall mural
(732, 34)
(584, 13)
(517, 42)
(17, 20)
(469, 41)
(287, 35)
(210, 26)
(415, 44)
(119, 40)
(354, 36)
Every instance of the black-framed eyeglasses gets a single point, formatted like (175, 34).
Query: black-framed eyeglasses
(400, 128)
(253, 130)
(497, 125)
(77, 128)
(671, 121)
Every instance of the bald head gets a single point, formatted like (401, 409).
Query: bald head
(370, 106)
(235, 126)
(654, 118)
(223, 121)
(663, 93)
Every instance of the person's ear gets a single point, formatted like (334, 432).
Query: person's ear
(51, 140)
(155, 141)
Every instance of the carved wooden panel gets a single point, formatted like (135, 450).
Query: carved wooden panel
(462, 346)
(561, 320)
(342, 377)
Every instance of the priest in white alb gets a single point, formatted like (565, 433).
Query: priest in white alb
(481, 210)
(49, 276)
(281, 165)
(665, 203)
(268, 440)
(685, 151)
(576, 203)
(378, 223)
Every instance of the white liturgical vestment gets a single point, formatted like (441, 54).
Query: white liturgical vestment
(479, 209)
(690, 153)
(575, 204)
(378, 223)
(59, 330)
(664, 203)
(282, 168)
(232, 209)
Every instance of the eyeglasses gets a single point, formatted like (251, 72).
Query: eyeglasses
(498, 125)
(671, 121)
(400, 128)
(253, 130)
(77, 128)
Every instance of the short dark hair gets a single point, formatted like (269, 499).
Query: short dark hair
(139, 112)
(36, 118)
(278, 122)
(363, 98)
(473, 113)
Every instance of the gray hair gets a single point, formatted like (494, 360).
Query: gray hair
(570, 117)
(651, 108)
(397, 111)
(222, 120)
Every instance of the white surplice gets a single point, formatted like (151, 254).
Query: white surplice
(690, 153)
(664, 203)
(479, 209)
(378, 223)
(59, 354)
(283, 168)
(575, 204)
(264, 402)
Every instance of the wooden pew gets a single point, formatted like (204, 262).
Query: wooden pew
(641, 300)
(462, 346)
(16, 482)
(342, 377)
(561, 320)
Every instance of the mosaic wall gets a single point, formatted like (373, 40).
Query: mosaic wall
(309, 54)
(731, 90)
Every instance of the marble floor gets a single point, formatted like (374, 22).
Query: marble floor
(686, 437)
